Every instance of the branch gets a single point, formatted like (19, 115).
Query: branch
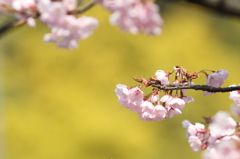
(87, 7)
(193, 86)
(230, 7)
(6, 26)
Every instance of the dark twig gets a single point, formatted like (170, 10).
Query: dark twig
(231, 7)
(6, 26)
(225, 7)
(193, 86)
(87, 7)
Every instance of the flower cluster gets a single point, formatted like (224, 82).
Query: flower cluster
(150, 108)
(59, 16)
(134, 16)
(153, 107)
(67, 29)
(219, 136)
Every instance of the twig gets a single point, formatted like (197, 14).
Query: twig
(6, 26)
(87, 7)
(193, 86)
(226, 7)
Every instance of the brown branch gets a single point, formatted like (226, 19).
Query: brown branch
(193, 86)
(231, 7)
(87, 7)
(228, 7)
(7, 26)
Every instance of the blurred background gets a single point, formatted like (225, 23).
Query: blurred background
(61, 104)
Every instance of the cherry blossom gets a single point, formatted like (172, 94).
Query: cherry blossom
(172, 111)
(160, 112)
(216, 79)
(226, 149)
(186, 124)
(166, 98)
(236, 110)
(23, 5)
(197, 134)
(151, 112)
(7, 2)
(222, 125)
(213, 135)
(195, 143)
(176, 103)
(61, 16)
(162, 76)
(135, 96)
(122, 94)
(147, 111)
(154, 98)
(235, 95)
(134, 15)
(187, 99)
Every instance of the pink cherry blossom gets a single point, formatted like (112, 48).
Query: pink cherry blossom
(226, 149)
(70, 5)
(160, 112)
(154, 98)
(151, 112)
(172, 111)
(134, 16)
(130, 98)
(187, 99)
(236, 110)
(195, 143)
(196, 129)
(176, 103)
(7, 2)
(235, 95)
(147, 111)
(25, 10)
(66, 28)
(216, 79)
(196, 133)
(122, 94)
(222, 125)
(31, 22)
(166, 98)
(23, 5)
(135, 96)
(71, 29)
(186, 124)
(163, 77)
(223, 73)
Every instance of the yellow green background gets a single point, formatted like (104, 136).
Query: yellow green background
(61, 104)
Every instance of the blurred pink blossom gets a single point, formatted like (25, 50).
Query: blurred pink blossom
(162, 76)
(216, 79)
(134, 16)
(235, 95)
(222, 125)
(195, 143)
(236, 110)
(225, 149)
(160, 112)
